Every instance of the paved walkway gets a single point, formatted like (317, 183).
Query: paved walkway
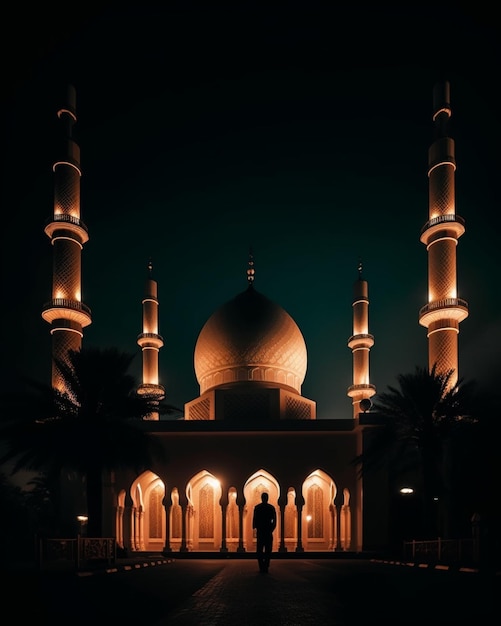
(241, 595)
(232, 592)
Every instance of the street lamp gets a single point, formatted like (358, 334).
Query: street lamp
(83, 521)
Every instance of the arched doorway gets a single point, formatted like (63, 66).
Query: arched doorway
(204, 517)
(255, 485)
(319, 516)
(147, 519)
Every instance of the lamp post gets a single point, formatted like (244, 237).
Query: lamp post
(82, 519)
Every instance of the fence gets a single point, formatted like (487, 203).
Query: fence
(447, 551)
(76, 552)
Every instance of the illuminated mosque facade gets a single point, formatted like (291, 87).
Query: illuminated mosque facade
(250, 429)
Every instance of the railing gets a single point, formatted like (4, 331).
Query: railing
(76, 552)
(446, 303)
(448, 551)
(441, 219)
(66, 303)
(70, 219)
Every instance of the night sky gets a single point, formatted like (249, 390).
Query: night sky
(302, 132)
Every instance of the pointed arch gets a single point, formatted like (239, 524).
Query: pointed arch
(254, 486)
(204, 516)
(318, 516)
(148, 514)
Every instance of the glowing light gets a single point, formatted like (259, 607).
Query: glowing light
(406, 491)
(308, 518)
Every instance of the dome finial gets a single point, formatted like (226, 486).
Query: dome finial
(250, 268)
(359, 269)
(150, 265)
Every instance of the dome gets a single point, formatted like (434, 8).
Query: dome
(250, 338)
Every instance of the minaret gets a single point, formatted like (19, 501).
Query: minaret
(360, 343)
(444, 311)
(66, 313)
(150, 342)
(250, 269)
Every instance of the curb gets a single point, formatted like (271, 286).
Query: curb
(125, 567)
(437, 567)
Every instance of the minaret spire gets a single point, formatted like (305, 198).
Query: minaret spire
(150, 342)
(66, 313)
(444, 310)
(250, 268)
(360, 343)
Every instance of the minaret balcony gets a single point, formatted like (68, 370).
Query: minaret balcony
(150, 340)
(362, 340)
(68, 223)
(153, 391)
(448, 308)
(363, 390)
(449, 223)
(64, 308)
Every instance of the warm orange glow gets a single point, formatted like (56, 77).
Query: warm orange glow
(442, 110)
(452, 292)
(68, 112)
(438, 330)
(54, 167)
(445, 162)
(60, 238)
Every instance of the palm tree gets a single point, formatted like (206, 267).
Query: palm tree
(421, 422)
(94, 425)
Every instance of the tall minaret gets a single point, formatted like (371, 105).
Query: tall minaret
(150, 342)
(250, 269)
(444, 311)
(360, 343)
(66, 313)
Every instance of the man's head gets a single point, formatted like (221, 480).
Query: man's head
(264, 497)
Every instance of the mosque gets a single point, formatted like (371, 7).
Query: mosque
(250, 429)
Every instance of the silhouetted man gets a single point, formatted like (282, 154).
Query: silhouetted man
(264, 521)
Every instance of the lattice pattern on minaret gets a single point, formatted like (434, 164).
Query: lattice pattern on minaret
(442, 189)
(442, 270)
(66, 313)
(443, 349)
(444, 310)
(67, 191)
(67, 264)
(62, 343)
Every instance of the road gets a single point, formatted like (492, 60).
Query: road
(219, 592)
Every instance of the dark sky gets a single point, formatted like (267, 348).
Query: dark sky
(300, 131)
